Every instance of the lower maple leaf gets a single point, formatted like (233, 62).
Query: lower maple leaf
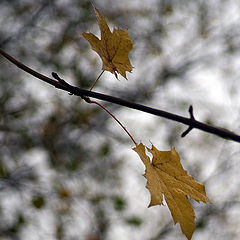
(166, 176)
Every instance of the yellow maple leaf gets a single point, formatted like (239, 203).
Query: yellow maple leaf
(166, 176)
(113, 47)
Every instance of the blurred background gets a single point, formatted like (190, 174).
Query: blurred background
(67, 170)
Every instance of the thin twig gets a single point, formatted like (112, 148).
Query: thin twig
(83, 92)
(87, 99)
(96, 80)
(191, 118)
(124, 128)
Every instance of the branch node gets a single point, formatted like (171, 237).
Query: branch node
(62, 81)
(55, 75)
(190, 110)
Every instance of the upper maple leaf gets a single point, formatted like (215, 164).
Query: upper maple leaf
(113, 48)
(166, 176)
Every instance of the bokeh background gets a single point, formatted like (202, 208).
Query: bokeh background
(67, 170)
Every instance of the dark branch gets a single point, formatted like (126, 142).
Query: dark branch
(83, 93)
(192, 118)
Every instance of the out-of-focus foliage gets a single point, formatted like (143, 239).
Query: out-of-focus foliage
(61, 170)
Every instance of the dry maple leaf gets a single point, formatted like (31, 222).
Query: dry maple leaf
(166, 176)
(113, 48)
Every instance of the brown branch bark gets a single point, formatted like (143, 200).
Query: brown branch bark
(191, 122)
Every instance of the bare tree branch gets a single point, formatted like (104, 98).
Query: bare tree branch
(83, 93)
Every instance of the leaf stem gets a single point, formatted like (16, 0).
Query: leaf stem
(124, 128)
(96, 80)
